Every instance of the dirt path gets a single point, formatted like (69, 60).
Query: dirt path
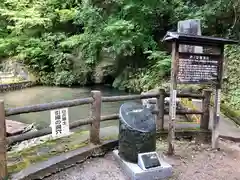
(93, 169)
(201, 163)
(227, 127)
(191, 162)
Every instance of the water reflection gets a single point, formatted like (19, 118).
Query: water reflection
(42, 94)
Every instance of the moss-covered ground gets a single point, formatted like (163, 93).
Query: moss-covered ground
(18, 160)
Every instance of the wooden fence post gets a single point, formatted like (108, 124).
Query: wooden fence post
(96, 116)
(3, 144)
(160, 115)
(205, 117)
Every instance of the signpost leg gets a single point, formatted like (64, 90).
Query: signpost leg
(216, 117)
(173, 94)
(204, 124)
(160, 115)
(217, 102)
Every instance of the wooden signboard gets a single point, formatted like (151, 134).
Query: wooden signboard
(198, 68)
(195, 68)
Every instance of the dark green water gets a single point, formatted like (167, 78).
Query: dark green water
(41, 94)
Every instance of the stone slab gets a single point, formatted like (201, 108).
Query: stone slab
(134, 172)
(15, 127)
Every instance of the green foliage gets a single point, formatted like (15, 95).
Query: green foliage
(62, 42)
(232, 82)
(144, 79)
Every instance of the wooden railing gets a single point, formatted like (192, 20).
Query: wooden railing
(95, 118)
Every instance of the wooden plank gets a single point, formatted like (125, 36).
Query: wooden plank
(130, 97)
(217, 101)
(3, 144)
(14, 127)
(160, 114)
(172, 105)
(206, 109)
(47, 106)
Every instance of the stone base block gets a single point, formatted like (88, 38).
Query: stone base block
(134, 172)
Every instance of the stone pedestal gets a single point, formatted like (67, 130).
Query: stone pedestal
(134, 172)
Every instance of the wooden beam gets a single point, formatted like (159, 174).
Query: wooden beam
(173, 95)
(3, 144)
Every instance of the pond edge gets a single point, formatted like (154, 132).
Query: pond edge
(16, 86)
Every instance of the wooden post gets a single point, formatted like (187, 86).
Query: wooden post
(160, 115)
(173, 95)
(204, 124)
(217, 102)
(96, 116)
(3, 143)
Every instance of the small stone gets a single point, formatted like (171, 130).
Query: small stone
(193, 142)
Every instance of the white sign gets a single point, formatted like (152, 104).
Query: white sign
(60, 122)
(218, 101)
(173, 108)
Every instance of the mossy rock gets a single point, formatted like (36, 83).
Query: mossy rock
(19, 160)
(229, 112)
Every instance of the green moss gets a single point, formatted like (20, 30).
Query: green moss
(17, 167)
(54, 147)
(229, 112)
(186, 122)
(193, 129)
(113, 137)
(232, 114)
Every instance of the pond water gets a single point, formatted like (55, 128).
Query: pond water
(42, 94)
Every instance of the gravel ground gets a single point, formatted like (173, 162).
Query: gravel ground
(191, 162)
(93, 169)
(199, 162)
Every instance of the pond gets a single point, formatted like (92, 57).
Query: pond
(42, 94)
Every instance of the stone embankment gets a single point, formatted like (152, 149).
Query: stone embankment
(15, 86)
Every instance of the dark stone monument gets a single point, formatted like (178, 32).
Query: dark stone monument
(137, 131)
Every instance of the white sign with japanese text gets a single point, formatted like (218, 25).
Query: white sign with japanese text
(173, 109)
(60, 122)
(218, 101)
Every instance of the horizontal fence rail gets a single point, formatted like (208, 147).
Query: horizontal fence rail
(47, 106)
(95, 118)
(129, 97)
(83, 101)
(185, 95)
(35, 134)
(46, 131)
(180, 112)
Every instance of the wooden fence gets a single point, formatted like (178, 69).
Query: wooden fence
(95, 118)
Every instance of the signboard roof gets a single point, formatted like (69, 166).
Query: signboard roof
(196, 39)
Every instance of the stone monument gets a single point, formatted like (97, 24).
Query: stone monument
(192, 27)
(137, 131)
(137, 144)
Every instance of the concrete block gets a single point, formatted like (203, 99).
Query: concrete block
(134, 172)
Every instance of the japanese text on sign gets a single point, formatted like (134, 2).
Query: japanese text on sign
(173, 105)
(60, 122)
(197, 68)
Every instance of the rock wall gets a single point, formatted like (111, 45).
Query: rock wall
(15, 86)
